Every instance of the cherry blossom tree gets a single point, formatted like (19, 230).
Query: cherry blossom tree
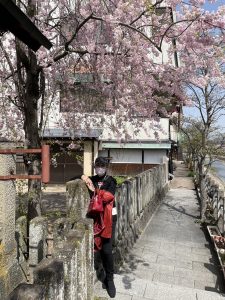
(125, 53)
(202, 54)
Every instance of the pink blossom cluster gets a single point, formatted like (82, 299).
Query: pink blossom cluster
(128, 58)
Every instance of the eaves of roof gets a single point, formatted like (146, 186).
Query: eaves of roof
(14, 20)
(60, 133)
(136, 145)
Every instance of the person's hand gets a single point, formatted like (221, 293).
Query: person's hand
(88, 182)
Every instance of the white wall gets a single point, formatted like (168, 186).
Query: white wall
(126, 156)
(151, 156)
(154, 156)
(147, 130)
(173, 133)
(129, 131)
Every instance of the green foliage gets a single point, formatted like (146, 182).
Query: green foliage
(201, 145)
(191, 174)
(120, 179)
(212, 170)
(76, 156)
(21, 198)
(22, 206)
(21, 187)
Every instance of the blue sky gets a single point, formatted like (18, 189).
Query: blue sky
(191, 111)
(214, 6)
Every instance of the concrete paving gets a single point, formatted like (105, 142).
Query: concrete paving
(53, 198)
(173, 259)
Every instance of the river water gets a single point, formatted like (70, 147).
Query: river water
(219, 167)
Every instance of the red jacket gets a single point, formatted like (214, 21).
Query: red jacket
(108, 199)
(105, 187)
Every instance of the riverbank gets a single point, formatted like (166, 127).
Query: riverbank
(217, 180)
(218, 172)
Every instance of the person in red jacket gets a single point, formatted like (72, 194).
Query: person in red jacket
(105, 186)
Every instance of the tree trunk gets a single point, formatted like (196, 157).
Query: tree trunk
(34, 166)
(32, 137)
(202, 192)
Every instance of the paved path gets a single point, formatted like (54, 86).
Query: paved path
(54, 199)
(173, 258)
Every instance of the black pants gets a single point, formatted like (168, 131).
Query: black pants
(106, 252)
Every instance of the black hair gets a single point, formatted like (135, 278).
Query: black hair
(101, 162)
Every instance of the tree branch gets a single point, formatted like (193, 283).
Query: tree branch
(77, 30)
(175, 23)
(141, 33)
(137, 18)
(199, 102)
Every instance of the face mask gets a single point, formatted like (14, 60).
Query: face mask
(100, 171)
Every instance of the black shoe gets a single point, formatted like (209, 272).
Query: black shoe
(110, 287)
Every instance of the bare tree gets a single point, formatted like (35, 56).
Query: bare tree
(200, 132)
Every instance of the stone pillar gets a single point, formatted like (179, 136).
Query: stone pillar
(88, 158)
(220, 214)
(37, 242)
(50, 274)
(78, 257)
(7, 203)
(10, 272)
(77, 197)
(28, 291)
(67, 252)
(165, 165)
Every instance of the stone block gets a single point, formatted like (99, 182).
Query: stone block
(68, 254)
(1, 231)
(207, 295)
(37, 240)
(50, 273)
(60, 227)
(28, 292)
(7, 163)
(10, 275)
(15, 275)
(7, 203)
(50, 239)
(7, 214)
(80, 244)
(3, 284)
(76, 252)
(89, 245)
(77, 199)
(21, 241)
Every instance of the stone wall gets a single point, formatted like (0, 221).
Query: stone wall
(136, 200)
(215, 202)
(61, 262)
(10, 272)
